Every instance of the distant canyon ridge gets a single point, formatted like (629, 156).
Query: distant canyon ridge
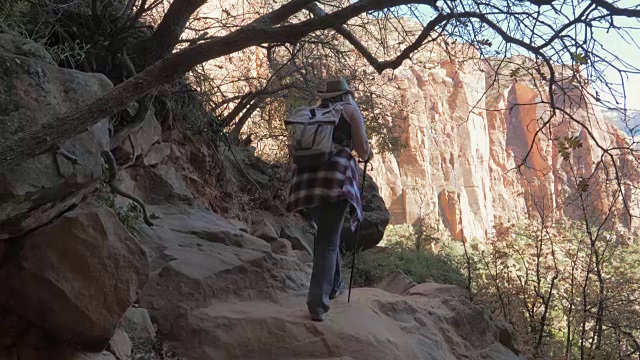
(466, 132)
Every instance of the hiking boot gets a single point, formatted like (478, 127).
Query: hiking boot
(319, 317)
(335, 292)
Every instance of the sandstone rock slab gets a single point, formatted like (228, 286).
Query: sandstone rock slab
(138, 140)
(206, 225)
(157, 153)
(436, 290)
(242, 226)
(32, 93)
(303, 256)
(194, 265)
(160, 185)
(291, 227)
(120, 345)
(193, 273)
(375, 326)
(262, 229)
(300, 236)
(137, 323)
(77, 276)
(26, 48)
(282, 247)
(397, 283)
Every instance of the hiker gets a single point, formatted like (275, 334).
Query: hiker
(328, 190)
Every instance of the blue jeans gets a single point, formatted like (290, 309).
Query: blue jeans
(326, 276)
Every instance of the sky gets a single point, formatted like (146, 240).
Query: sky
(627, 52)
(614, 43)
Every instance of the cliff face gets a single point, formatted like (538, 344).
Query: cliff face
(466, 132)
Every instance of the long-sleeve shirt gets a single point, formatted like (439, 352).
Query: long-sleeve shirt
(358, 133)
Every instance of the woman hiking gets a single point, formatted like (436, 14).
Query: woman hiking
(328, 191)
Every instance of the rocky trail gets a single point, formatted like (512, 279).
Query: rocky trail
(83, 278)
(375, 325)
(216, 301)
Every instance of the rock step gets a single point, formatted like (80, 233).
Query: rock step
(375, 325)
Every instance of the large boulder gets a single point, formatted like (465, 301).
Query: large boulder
(376, 219)
(198, 275)
(203, 225)
(120, 345)
(26, 48)
(263, 230)
(168, 197)
(267, 183)
(282, 247)
(191, 271)
(76, 277)
(397, 283)
(138, 325)
(292, 227)
(157, 153)
(137, 140)
(33, 92)
(376, 325)
(159, 185)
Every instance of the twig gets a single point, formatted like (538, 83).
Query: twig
(169, 122)
(143, 108)
(127, 8)
(65, 154)
(230, 147)
(200, 37)
(127, 64)
(133, 153)
(113, 170)
(95, 12)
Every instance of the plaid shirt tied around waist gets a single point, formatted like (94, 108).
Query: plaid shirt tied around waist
(335, 180)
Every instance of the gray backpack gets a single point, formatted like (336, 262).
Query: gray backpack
(311, 134)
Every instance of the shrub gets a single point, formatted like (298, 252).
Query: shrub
(375, 265)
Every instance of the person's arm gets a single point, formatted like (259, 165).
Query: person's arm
(358, 133)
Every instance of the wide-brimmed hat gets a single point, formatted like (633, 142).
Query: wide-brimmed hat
(334, 88)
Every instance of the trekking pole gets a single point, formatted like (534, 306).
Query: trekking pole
(355, 246)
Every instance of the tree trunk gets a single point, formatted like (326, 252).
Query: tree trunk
(242, 121)
(568, 347)
(164, 39)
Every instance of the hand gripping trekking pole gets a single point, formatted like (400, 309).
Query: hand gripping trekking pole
(355, 246)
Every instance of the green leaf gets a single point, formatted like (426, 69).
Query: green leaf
(563, 149)
(583, 185)
(572, 142)
(579, 58)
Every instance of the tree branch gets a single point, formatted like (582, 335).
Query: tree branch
(113, 171)
(166, 36)
(45, 137)
(248, 100)
(237, 128)
(380, 66)
(616, 11)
